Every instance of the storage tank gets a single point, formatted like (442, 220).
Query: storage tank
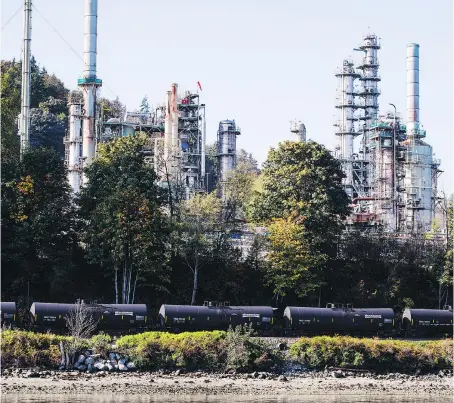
(422, 322)
(8, 313)
(337, 318)
(109, 316)
(214, 316)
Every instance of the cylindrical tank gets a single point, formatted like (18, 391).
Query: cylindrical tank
(423, 322)
(227, 147)
(207, 317)
(313, 319)
(108, 316)
(362, 320)
(7, 313)
(121, 316)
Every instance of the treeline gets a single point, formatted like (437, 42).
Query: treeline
(129, 237)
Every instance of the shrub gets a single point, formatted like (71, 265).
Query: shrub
(243, 352)
(28, 349)
(189, 350)
(101, 343)
(374, 354)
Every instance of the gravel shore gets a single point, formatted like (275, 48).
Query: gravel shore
(328, 383)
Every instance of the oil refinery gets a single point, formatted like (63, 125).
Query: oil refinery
(391, 176)
(390, 170)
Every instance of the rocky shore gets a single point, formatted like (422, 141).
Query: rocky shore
(328, 382)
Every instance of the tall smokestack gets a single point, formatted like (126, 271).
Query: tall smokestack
(89, 83)
(168, 126)
(412, 88)
(175, 119)
(24, 117)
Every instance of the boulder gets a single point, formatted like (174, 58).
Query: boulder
(255, 374)
(81, 359)
(177, 372)
(122, 367)
(282, 378)
(109, 367)
(100, 366)
(282, 346)
(131, 365)
(122, 361)
(31, 374)
(90, 368)
(338, 374)
(89, 361)
(112, 356)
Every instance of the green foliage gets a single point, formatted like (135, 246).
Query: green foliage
(101, 343)
(212, 351)
(236, 349)
(37, 227)
(190, 350)
(28, 349)
(243, 352)
(303, 202)
(373, 354)
(122, 209)
(302, 178)
(200, 235)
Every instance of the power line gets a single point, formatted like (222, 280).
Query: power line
(7, 22)
(67, 43)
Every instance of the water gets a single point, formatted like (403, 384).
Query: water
(118, 398)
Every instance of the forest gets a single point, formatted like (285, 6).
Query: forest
(127, 239)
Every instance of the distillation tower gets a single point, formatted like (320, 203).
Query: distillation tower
(226, 139)
(89, 84)
(392, 179)
(346, 132)
(299, 130)
(420, 168)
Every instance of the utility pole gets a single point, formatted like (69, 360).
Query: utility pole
(24, 117)
(396, 212)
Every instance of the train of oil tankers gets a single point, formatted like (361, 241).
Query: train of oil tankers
(295, 321)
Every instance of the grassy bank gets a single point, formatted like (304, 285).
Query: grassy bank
(219, 351)
(373, 354)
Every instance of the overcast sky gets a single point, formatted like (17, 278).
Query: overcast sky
(262, 63)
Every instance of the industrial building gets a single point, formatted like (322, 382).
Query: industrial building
(391, 175)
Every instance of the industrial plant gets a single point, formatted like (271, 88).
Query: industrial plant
(391, 175)
(390, 170)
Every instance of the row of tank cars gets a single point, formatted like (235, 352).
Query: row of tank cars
(295, 321)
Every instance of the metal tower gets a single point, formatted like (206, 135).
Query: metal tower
(228, 130)
(420, 168)
(24, 117)
(89, 83)
(354, 186)
(299, 130)
(73, 143)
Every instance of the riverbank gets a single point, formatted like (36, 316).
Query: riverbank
(316, 383)
(220, 352)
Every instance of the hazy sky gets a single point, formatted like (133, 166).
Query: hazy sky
(262, 63)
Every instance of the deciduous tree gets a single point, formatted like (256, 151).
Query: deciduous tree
(122, 207)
